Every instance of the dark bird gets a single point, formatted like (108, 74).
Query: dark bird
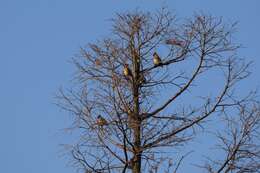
(127, 72)
(156, 59)
(97, 62)
(101, 121)
(142, 79)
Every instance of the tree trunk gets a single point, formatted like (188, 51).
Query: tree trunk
(137, 154)
(137, 120)
(137, 136)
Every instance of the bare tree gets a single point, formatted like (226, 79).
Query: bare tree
(137, 100)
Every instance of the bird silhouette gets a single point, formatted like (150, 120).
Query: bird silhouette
(97, 62)
(156, 59)
(101, 121)
(127, 72)
(142, 79)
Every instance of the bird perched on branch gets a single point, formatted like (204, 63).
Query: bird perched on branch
(127, 72)
(156, 59)
(97, 62)
(142, 79)
(101, 121)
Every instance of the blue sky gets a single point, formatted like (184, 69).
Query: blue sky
(38, 38)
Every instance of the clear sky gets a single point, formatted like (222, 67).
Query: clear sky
(38, 38)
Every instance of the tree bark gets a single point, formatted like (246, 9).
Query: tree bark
(137, 120)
